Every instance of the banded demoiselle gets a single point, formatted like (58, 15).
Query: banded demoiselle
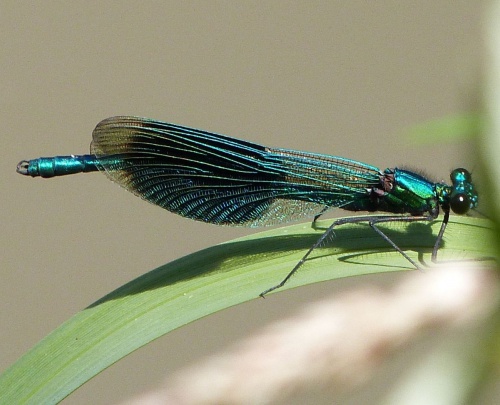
(225, 181)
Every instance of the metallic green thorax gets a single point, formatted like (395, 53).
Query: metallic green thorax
(406, 191)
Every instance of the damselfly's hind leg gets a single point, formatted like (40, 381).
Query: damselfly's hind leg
(372, 221)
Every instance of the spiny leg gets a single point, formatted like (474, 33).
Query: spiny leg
(301, 261)
(325, 208)
(379, 220)
(440, 235)
(372, 221)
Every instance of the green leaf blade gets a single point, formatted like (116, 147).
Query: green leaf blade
(214, 279)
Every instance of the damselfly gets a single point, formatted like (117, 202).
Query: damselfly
(225, 181)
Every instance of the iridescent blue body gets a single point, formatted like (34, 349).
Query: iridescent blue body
(225, 181)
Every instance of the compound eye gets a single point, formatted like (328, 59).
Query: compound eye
(460, 175)
(460, 203)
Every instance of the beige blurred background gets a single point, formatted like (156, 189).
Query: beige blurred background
(344, 78)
